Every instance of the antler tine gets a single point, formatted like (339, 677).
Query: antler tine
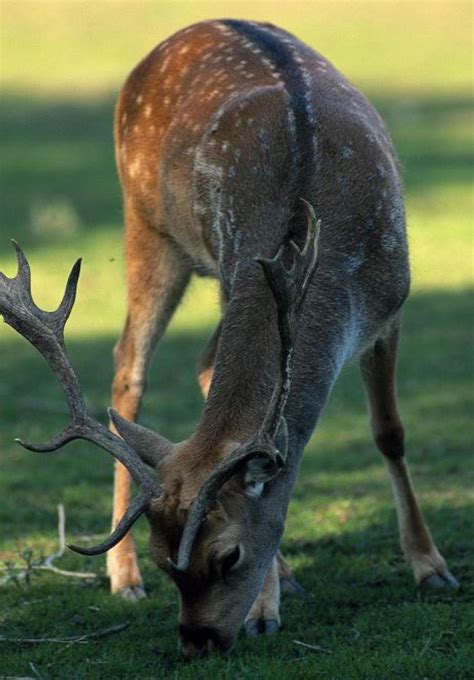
(93, 431)
(62, 313)
(54, 320)
(23, 272)
(45, 331)
(137, 507)
(289, 289)
(310, 246)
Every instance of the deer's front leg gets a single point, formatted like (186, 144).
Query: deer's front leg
(156, 279)
(264, 616)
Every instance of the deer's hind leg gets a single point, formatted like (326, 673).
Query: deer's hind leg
(378, 365)
(156, 279)
(288, 584)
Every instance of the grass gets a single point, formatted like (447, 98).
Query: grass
(61, 201)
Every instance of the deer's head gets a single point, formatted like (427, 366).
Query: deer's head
(214, 527)
(213, 531)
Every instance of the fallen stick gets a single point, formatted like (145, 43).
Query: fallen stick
(47, 564)
(87, 637)
(314, 648)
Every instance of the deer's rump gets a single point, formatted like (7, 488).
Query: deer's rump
(226, 125)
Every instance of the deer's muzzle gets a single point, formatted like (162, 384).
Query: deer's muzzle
(199, 641)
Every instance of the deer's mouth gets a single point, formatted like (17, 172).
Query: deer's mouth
(199, 641)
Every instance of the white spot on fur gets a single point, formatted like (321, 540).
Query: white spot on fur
(134, 168)
(291, 121)
(224, 29)
(164, 65)
(389, 241)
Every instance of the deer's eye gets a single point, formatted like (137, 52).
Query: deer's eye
(229, 561)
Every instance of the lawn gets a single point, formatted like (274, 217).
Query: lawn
(62, 64)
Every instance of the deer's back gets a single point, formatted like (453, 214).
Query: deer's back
(223, 128)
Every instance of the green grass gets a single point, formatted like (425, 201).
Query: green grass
(62, 63)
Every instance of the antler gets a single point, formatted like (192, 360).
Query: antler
(289, 288)
(45, 330)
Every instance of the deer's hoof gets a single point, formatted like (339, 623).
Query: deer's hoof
(132, 593)
(255, 627)
(440, 580)
(289, 586)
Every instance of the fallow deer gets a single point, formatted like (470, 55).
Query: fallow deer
(231, 136)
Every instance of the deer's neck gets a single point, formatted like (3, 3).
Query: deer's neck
(245, 367)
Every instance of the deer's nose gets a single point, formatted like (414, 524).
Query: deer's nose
(202, 640)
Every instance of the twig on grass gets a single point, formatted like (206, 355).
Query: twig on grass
(35, 671)
(313, 648)
(48, 564)
(44, 564)
(81, 639)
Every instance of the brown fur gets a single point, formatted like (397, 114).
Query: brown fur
(205, 93)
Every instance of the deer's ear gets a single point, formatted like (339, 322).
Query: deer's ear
(262, 468)
(257, 472)
(150, 446)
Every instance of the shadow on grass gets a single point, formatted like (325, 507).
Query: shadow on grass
(361, 602)
(58, 156)
(56, 151)
(435, 379)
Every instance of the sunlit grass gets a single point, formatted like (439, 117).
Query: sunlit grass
(368, 40)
